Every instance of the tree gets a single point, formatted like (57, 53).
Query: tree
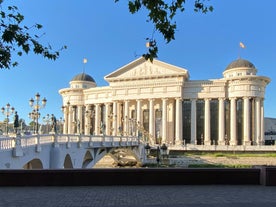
(162, 14)
(17, 39)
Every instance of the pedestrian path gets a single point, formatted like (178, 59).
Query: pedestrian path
(136, 196)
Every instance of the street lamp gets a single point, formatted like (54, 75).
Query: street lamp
(7, 112)
(36, 106)
(164, 150)
(47, 120)
(160, 151)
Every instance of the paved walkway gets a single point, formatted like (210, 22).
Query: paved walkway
(136, 196)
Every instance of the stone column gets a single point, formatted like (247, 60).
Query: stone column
(79, 120)
(221, 126)
(87, 120)
(207, 119)
(178, 122)
(65, 125)
(262, 122)
(246, 121)
(70, 119)
(258, 120)
(151, 119)
(138, 115)
(107, 121)
(193, 122)
(164, 119)
(126, 117)
(97, 119)
(233, 122)
(114, 121)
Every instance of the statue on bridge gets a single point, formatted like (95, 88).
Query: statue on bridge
(16, 122)
(54, 123)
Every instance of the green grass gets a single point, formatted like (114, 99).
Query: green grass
(226, 154)
(218, 166)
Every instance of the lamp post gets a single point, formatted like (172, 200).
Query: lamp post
(36, 106)
(47, 120)
(160, 151)
(7, 112)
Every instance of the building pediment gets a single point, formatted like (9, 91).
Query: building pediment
(143, 69)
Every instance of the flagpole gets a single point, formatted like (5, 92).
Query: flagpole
(84, 63)
(241, 46)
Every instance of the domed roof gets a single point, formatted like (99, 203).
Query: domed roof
(240, 63)
(83, 77)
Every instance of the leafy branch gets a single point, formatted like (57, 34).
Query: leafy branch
(18, 39)
(162, 14)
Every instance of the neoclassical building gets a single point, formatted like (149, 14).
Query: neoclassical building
(159, 101)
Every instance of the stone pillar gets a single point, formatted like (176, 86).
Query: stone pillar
(262, 122)
(151, 120)
(246, 121)
(138, 114)
(114, 121)
(258, 120)
(79, 120)
(70, 120)
(233, 122)
(193, 122)
(221, 126)
(126, 117)
(87, 120)
(178, 122)
(106, 118)
(207, 119)
(164, 119)
(97, 119)
(66, 116)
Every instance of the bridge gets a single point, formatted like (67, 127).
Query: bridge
(60, 151)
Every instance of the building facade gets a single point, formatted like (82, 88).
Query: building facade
(159, 101)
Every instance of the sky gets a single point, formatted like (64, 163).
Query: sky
(109, 37)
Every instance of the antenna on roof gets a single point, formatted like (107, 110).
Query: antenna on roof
(84, 62)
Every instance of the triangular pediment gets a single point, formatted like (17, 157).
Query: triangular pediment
(143, 69)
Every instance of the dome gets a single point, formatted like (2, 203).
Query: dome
(83, 77)
(240, 63)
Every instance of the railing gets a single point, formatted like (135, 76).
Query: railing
(32, 140)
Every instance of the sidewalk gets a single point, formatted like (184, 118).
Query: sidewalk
(134, 196)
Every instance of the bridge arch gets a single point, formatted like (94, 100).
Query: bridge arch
(87, 159)
(68, 162)
(33, 164)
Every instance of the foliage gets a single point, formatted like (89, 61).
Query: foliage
(162, 14)
(17, 39)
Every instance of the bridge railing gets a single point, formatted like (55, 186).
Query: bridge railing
(32, 140)
(6, 143)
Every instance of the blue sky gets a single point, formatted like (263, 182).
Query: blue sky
(109, 37)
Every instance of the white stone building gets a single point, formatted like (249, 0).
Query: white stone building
(159, 100)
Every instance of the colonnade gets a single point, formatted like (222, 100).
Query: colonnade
(128, 117)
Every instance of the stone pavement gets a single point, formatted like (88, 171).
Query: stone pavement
(136, 196)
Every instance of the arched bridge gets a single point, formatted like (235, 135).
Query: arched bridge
(56, 151)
